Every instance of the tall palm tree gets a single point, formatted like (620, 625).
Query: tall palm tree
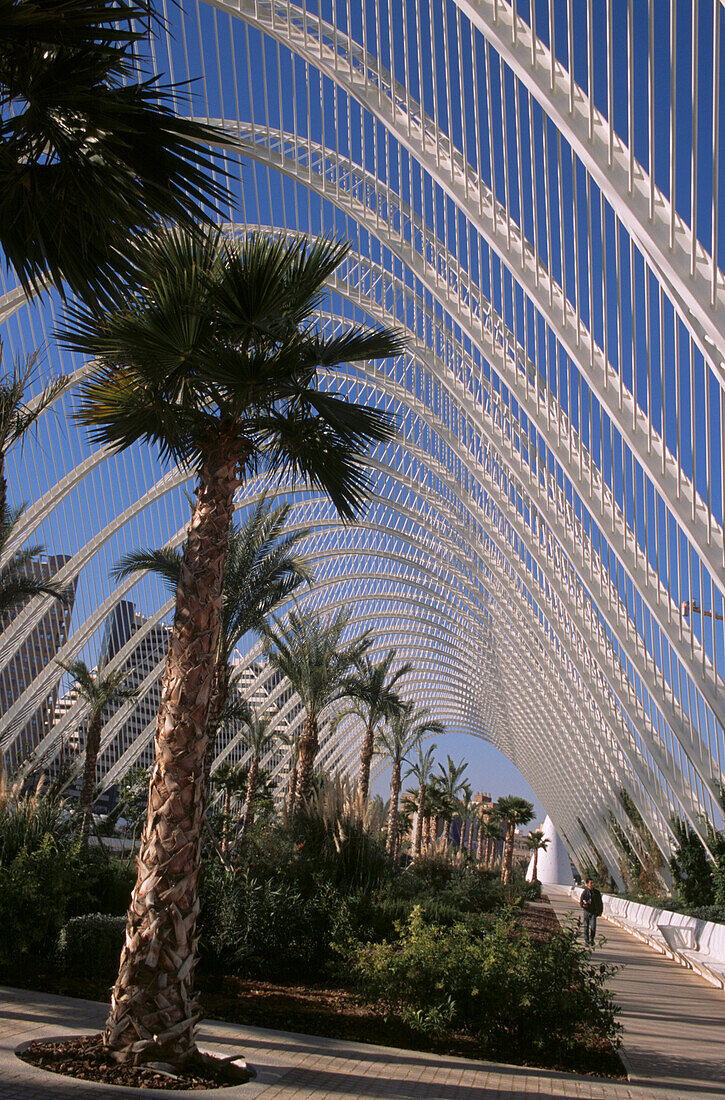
(421, 770)
(262, 570)
(404, 731)
(512, 810)
(371, 688)
(91, 148)
(451, 783)
(261, 736)
(536, 842)
(231, 781)
(216, 360)
(21, 577)
(308, 650)
(17, 416)
(98, 689)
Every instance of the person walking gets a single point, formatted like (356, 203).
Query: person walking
(592, 905)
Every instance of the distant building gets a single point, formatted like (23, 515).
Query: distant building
(33, 656)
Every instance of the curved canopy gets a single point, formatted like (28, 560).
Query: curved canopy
(545, 537)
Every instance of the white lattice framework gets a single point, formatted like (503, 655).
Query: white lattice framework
(538, 206)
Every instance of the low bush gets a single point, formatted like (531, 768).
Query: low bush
(522, 998)
(268, 928)
(91, 945)
(34, 891)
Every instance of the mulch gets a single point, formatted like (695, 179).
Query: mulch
(85, 1058)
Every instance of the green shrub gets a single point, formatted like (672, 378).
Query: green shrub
(520, 997)
(256, 927)
(34, 891)
(91, 945)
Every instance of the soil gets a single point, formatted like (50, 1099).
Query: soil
(86, 1059)
(318, 1010)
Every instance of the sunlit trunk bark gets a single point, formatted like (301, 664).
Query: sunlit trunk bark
(306, 752)
(93, 743)
(292, 789)
(153, 1008)
(391, 843)
(535, 867)
(366, 756)
(479, 844)
(252, 780)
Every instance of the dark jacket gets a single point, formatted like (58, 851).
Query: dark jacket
(591, 901)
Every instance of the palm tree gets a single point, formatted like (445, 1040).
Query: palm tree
(513, 811)
(421, 771)
(90, 145)
(450, 782)
(216, 360)
(308, 650)
(21, 578)
(17, 416)
(405, 729)
(536, 842)
(98, 689)
(371, 687)
(230, 780)
(262, 570)
(260, 738)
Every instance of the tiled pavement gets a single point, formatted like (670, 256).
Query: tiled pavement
(674, 1044)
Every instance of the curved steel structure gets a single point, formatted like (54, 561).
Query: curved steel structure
(536, 201)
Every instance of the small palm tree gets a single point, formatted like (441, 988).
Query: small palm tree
(21, 578)
(512, 811)
(451, 783)
(231, 781)
(290, 742)
(489, 831)
(98, 689)
(91, 146)
(308, 650)
(262, 570)
(405, 729)
(421, 770)
(216, 359)
(261, 737)
(466, 808)
(536, 842)
(371, 687)
(17, 416)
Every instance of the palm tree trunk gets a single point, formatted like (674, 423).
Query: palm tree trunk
(225, 823)
(93, 743)
(292, 789)
(219, 692)
(508, 856)
(535, 868)
(3, 490)
(307, 751)
(366, 756)
(252, 780)
(153, 1008)
(418, 834)
(479, 844)
(390, 843)
(427, 831)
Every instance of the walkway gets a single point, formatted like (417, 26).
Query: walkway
(674, 1030)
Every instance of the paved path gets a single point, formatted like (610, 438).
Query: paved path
(674, 1021)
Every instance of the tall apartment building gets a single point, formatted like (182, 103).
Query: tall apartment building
(33, 655)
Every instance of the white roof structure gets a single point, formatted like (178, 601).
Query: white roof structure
(545, 537)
